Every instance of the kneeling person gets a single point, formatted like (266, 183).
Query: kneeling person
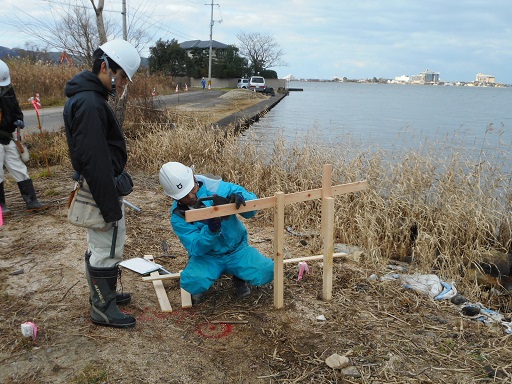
(215, 246)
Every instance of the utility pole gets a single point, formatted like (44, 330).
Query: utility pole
(211, 47)
(125, 31)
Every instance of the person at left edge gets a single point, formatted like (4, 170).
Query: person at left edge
(11, 117)
(98, 154)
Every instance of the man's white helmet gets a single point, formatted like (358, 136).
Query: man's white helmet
(176, 179)
(5, 77)
(123, 54)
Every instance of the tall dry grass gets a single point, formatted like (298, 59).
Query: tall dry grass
(442, 213)
(48, 80)
(445, 215)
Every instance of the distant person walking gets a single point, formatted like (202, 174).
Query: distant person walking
(11, 118)
(203, 83)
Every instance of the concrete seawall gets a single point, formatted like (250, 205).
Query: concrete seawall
(243, 119)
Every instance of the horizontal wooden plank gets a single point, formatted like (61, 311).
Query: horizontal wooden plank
(350, 187)
(269, 202)
(161, 277)
(309, 258)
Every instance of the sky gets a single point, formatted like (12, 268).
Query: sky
(357, 39)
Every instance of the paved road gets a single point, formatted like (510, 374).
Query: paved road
(51, 118)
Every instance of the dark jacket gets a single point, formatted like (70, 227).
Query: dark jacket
(95, 140)
(11, 112)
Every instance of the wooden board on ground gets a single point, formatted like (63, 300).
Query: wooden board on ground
(163, 300)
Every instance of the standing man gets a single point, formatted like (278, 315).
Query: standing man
(203, 83)
(11, 118)
(217, 245)
(98, 154)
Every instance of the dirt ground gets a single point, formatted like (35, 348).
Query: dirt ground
(389, 334)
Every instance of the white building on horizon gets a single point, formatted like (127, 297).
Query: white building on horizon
(486, 79)
(402, 79)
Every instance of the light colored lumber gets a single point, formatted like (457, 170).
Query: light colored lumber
(328, 236)
(326, 181)
(311, 258)
(279, 250)
(348, 188)
(155, 277)
(268, 202)
(161, 295)
(326, 191)
(186, 299)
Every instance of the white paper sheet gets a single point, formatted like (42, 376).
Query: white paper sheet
(140, 265)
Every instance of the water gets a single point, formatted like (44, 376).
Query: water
(391, 116)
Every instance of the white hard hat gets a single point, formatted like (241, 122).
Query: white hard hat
(5, 77)
(123, 54)
(176, 179)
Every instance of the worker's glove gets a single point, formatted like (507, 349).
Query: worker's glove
(214, 224)
(19, 124)
(219, 200)
(238, 199)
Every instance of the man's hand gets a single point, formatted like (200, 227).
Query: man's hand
(19, 124)
(214, 224)
(238, 199)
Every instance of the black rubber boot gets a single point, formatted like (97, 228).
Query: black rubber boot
(104, 311)
(122, 298)
(241, 288)
(5, 210)
(199, 298)
(29, 196)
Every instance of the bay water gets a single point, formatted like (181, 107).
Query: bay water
(391, 117)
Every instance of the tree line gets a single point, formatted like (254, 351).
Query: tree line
(169, 58)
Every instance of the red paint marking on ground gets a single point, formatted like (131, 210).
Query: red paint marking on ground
(213, 331)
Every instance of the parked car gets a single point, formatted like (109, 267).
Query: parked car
(243, 83)
(257, 83)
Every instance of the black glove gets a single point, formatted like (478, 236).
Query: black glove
(238, 199)
(19, 124)
(214, 224)
(219, 200)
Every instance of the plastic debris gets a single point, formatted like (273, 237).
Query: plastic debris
(487, 316)
(434, 287)
(303, 268)
(29, 329)
(321, 318)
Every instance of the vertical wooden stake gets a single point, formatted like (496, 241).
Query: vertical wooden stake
(279, 250)
(328, 238)
(326, 180)
(326, 190)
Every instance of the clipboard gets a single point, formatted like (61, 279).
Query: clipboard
(142, 266)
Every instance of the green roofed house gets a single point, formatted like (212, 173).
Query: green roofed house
(218, 48)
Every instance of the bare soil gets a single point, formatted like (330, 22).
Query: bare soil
(388, 333)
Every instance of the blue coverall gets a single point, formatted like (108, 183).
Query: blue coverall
(212, 254)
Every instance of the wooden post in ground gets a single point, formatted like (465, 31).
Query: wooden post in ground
(327, 230)
(328, 238)
(279, 250)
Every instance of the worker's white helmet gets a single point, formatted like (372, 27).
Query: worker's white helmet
(123, 54)
(5, 77)
(176, 179)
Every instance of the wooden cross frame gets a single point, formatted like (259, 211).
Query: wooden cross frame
(278, 202)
